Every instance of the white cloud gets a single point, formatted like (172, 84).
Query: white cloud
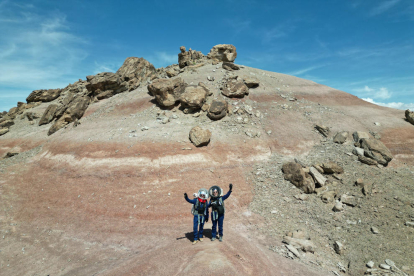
(383, 7)
(381, 93)
(163, 59)
(305, 70)
(396, 105)
(37, 50)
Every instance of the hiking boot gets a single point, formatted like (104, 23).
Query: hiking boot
(194, 242)
(221, 238)
(213, 238)
(201, 239)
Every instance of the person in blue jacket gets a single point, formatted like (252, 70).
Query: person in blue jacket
(200, 212)
(217, 212)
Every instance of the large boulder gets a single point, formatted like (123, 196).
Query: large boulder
(135, 71)
(223, 52)
(44, 95)
(48, 115)
(409, 115)
(189, 58)
(199, 137)
(167, 91)
(217, 109)
(297, 176)
(106, 82)
(235, 88)
(376, 150)
(74, 111)
(193, 97)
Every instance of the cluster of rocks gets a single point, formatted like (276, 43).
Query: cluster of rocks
(73, 100)
(298, 240)
(190, 57)
(370, 151)
(308, 179)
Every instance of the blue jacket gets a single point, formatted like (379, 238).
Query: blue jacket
(194, 201)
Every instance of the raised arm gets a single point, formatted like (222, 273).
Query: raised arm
(228, 193)
(192, 201)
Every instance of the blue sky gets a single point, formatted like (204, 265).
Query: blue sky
(363, 47)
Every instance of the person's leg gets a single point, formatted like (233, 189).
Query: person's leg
(213, 228)
(195, 228)
(220, 225)
(200, 230)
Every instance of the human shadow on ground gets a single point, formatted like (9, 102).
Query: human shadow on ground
(190, 235)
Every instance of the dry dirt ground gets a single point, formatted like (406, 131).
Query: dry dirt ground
(106, 197)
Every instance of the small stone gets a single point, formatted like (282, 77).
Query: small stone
(338, 207)
(370, 264)
(409, 223)
(385, 266)
(293, 250)
(339, 248)
(374, 230)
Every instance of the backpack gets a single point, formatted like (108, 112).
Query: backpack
(195, 208)
(219, 207)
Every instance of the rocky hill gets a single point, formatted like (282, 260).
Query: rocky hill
(93, 175)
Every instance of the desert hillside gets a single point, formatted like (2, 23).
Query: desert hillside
(93, 175)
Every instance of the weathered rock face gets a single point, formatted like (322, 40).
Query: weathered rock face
(108, 83)
(341, 137)
(376, 150)
(235, 88)
(3, 131)
(297, 176)
(189, 58)
(6, 124)
(74, 111)
(223, 52)
(135, 71)
(48, 115)
(199, 137)
(30, 116)
(193, 97)
(44, 95)
(409, 115)
(217, 109)
(167, 91)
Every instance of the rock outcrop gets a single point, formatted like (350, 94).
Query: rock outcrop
(3, 131)
(6, 124)
(223, 52)
(134, 72)
(217, 109)
(48, 115)
(297, 176)
(376, 150)
(74, 111)
(409, 115)
(189, 58)
(235, 87)
(167, 91)
(44, 95)
(199, 137)
(105, 85)
(193, 96)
